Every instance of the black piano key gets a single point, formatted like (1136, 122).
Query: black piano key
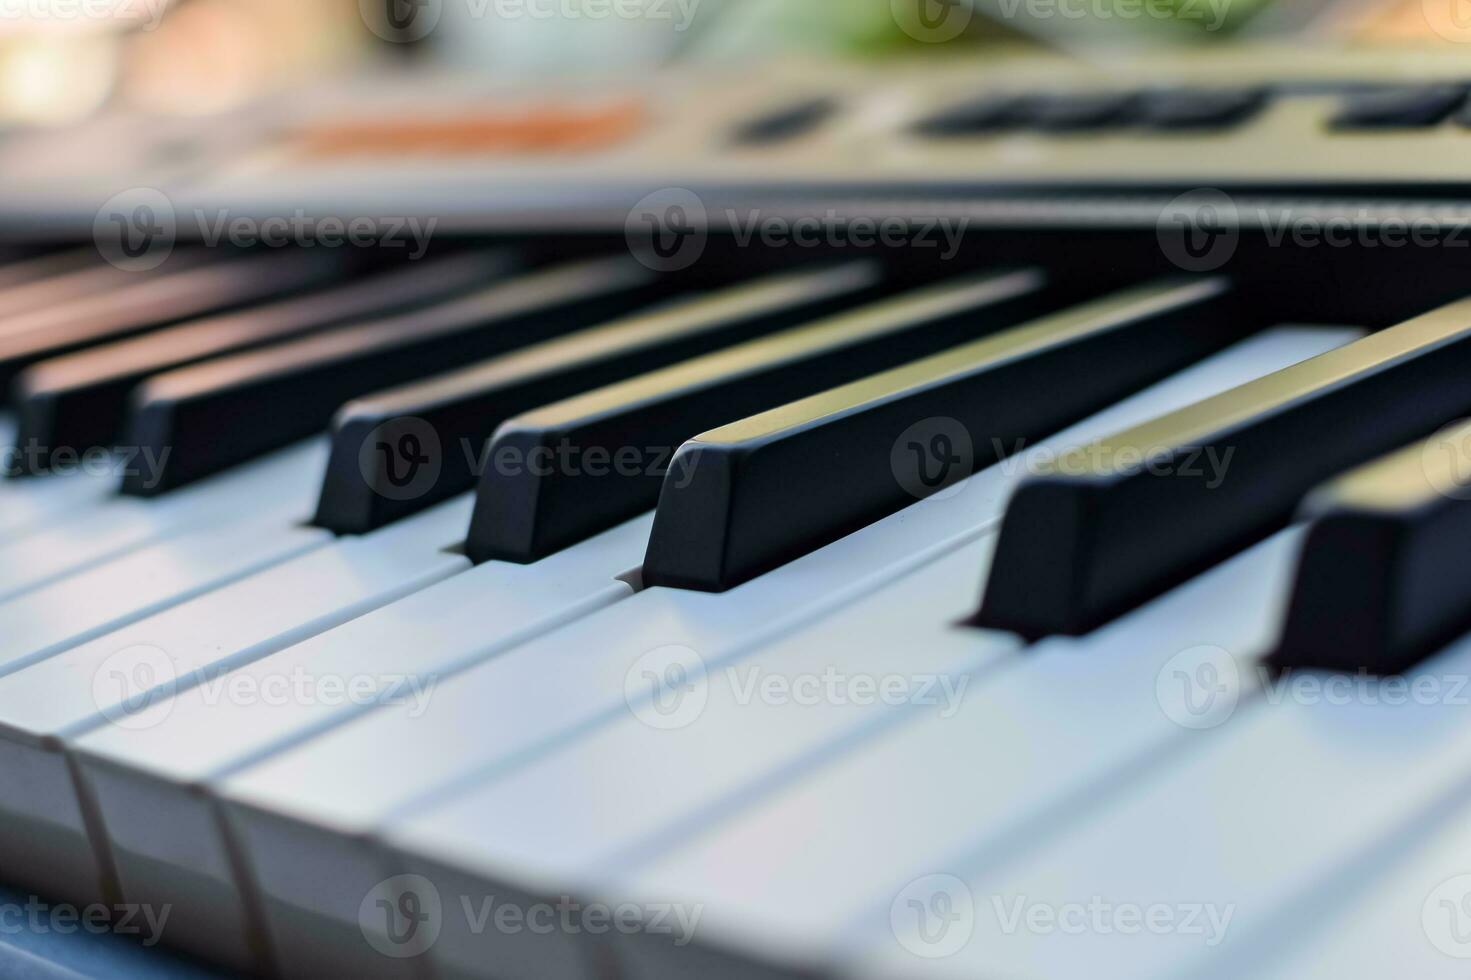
(159, 298)
(1125, 518)
(1381, 583)
(79, 400)
(213, 415)
(770, 488)
(447, 420)
(1400, 108)
(1199, 108)
(564, 472)
(52, 282)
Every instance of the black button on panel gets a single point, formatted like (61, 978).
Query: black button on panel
(1185, 108)
(991, 114)
(1402, 108)
(786, 123)
(1076, 113)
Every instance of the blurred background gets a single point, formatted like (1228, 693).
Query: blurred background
(66, 60)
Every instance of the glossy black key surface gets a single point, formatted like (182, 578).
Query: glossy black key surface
(222, 412)
(770, 488)
(79, 400)
(443, 423)
(1401, 108)
(1187, 109)
(564, 472)
(1121, 520)
(146, 301)
(786, 123)
(1382, 580)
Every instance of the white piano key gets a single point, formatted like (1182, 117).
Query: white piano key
(311, 815)
(1033, 743)
(1246, 827)
(282, 485)
(44, 836)
(148, 778)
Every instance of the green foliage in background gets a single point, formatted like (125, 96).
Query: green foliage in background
(870, 26)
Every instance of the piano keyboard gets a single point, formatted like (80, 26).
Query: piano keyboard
(532, 610)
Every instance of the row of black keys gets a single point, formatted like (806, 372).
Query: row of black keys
(575, 364)
(1406, 107)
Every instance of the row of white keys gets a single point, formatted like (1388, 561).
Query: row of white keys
(311, 815)
(44, 833)
(149, 779)
(1225, 851)
(1031, 745)
(581, 816)
(282, 485)
(567, 821)
(93, 601)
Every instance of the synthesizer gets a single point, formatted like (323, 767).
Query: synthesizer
(932, 521)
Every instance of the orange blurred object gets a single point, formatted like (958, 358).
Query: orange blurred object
(525, 129)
